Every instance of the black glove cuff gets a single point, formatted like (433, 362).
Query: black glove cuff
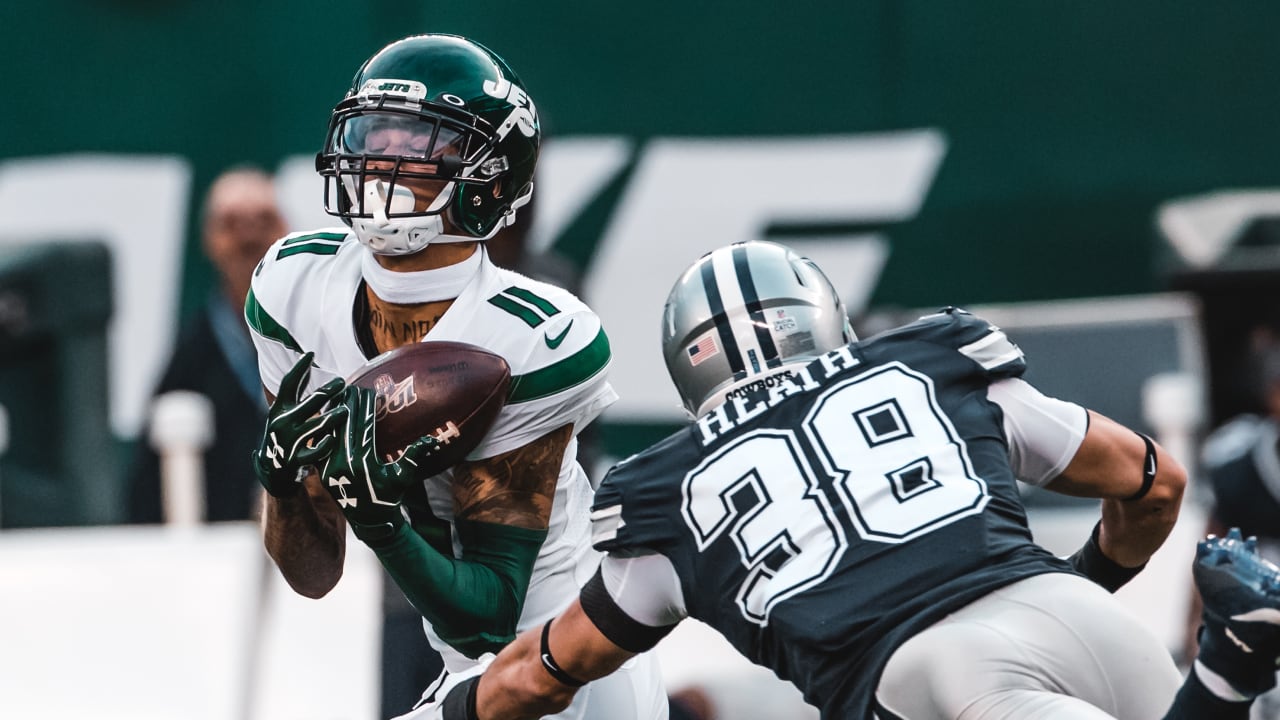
(460, 703)
(377, 535)
(276, 482)
(1093, 564)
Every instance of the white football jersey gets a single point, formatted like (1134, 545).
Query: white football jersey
(302, 299)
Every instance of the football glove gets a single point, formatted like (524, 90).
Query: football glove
(297, 434)
(369, 491)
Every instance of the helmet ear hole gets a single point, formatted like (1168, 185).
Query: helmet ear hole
(450, 165)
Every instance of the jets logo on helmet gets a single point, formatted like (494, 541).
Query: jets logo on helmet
(436, 141)
(523, 115)
(409, 90)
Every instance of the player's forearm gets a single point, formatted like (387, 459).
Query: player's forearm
(306, 537)
(473, 603)
(515, 686)
(1132, 530)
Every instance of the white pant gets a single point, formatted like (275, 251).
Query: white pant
(634, 692)
(1051, 646)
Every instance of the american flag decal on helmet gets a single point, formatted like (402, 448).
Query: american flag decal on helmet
(703, 349)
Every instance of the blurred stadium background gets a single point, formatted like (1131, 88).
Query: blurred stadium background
(1101, 179)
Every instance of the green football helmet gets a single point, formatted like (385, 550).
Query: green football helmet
(435, 118)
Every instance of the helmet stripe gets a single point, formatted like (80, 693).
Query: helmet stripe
(716, 305)
(751, 299)
(737, 320)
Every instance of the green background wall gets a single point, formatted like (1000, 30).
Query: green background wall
(1066, 122)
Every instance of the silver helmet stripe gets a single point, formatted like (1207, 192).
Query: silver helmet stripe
(751, 300)
(716, 307)
(749, 358)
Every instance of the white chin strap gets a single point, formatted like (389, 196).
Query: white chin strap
(401, 235)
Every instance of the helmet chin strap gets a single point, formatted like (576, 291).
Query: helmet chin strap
(407, 235)
(375, 197)
(399, 235)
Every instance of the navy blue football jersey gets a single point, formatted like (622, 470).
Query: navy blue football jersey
(817, 523)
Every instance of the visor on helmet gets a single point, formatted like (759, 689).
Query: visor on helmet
(399, 135)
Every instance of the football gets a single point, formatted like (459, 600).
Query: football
(450, 390)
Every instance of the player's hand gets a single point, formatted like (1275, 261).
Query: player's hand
(297, 433)
(367, 490)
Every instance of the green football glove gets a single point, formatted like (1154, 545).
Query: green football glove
(297, 434)
(369, 491)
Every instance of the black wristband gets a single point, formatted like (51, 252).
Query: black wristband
(550, 664)
(376, 535)
(460, 703)
(1148, 469)
(1090, 561)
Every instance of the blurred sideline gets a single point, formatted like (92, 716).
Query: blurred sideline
(192, 620)
(174, 622)
(195, 623)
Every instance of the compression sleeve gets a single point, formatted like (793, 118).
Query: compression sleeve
(472, 603)
(601, 604)
(646, 587)
(1043, 433)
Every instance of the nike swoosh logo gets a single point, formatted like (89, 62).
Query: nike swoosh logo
(554, 342)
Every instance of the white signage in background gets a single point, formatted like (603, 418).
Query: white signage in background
(571, 173)
(137, 205)
(149, 622)
(689, 196)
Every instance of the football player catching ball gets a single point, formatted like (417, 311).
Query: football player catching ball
(430, 154)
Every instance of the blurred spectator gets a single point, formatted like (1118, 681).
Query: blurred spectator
(1241, 464)
(214, 356)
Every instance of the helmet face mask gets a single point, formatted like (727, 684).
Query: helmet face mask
(435, 142)
(744, 313)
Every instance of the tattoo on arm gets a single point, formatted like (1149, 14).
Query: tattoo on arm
(306, 537)
(514, 488)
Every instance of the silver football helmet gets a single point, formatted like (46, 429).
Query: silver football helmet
(741, 314)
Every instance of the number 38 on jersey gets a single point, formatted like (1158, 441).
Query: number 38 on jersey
(885, 452)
